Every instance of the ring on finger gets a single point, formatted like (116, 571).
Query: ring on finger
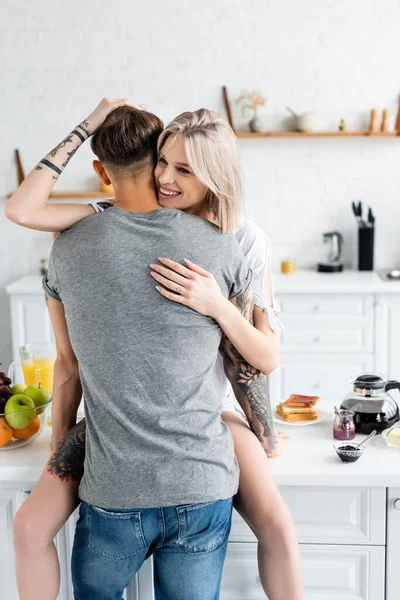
(178, 289)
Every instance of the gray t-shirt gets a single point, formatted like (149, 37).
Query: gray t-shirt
(147, 365)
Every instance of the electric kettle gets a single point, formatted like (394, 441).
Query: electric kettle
(332, 263)
(374, 408)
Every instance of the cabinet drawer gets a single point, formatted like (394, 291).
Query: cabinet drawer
(327, 339)
(329, 573)
(317, 374)
(334, 306)
(329, 515)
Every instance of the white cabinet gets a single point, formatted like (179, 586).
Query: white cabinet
(387, 335)
(329, 573)
(325, 375)
(393, 544)
(328, 338)
(7, 567)
(335, 515)
(342, 536)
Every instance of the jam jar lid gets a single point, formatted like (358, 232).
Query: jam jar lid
(369, 381)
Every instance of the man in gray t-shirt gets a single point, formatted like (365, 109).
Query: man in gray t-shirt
(159, 468)
(147, 366)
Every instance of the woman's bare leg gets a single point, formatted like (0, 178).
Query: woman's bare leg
(263, 508)
(48, 507)
(36, 524)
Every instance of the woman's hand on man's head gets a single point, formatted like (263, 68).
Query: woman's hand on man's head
(102, 110)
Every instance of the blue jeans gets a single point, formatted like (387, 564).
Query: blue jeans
(188, 543)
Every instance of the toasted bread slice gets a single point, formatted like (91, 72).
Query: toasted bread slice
(300, 400)
(299, 417)
(290, 414)
(294, 409)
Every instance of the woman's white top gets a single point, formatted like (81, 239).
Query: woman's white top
(256, 248)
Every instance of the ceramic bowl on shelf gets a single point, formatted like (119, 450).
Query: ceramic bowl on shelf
(22, 426)
(348, 452)
(392, 436)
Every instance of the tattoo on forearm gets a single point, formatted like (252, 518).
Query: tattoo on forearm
(245, 304)
(67, 140)
(49, 164)
(79, 135)
(83, 126)
(70, 155)
(38, 168)
(249, 384)
(68, 459)
(251, 390)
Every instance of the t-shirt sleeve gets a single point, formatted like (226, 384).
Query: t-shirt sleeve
(50, 282)
(100, 206)
(241, 274)
(257, 249)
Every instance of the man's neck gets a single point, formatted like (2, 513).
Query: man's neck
(138, 196)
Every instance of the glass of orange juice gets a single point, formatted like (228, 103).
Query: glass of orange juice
(37, 362)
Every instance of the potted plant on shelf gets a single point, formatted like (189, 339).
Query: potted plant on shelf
(252, 101)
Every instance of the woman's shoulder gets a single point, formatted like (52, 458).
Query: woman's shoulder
(254, 241)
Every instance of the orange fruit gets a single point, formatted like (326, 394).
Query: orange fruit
(27, 432)
(6, 432)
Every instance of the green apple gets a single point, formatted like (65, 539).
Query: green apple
(19, 411)
(17, 388)
(39, 395)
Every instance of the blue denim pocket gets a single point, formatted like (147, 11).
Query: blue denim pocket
(204, 527)
(115, 534)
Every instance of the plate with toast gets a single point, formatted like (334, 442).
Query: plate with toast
(300, 410)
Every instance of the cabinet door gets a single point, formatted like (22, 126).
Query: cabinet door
(325, 375)
(329, 572)
(334, 515)
(387, 338)
(393, 544)
(8, 508)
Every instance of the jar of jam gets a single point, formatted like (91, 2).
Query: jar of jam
(343, 425)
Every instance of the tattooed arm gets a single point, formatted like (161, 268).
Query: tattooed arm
(67, 390)
(29, 206)
(249, 384)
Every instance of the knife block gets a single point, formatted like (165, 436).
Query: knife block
(366, 237)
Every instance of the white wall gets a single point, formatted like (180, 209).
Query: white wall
(339, 57)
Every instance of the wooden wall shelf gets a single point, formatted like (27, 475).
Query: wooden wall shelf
(289, 134)
(76, 194)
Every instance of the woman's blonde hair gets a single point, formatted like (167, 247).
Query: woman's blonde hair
(213, 154)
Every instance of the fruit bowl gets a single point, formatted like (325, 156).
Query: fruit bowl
(12, 435)
(21, 426)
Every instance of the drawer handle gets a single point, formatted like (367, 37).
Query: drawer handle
(397, 504)
(317, 308)
(317, 385)
(317, 339)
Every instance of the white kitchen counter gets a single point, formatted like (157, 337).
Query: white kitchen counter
(299, 282)
(348, 282)
(309, 461)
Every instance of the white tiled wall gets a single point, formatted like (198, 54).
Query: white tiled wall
(338, 57)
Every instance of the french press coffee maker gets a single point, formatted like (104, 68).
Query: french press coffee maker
(374, 408)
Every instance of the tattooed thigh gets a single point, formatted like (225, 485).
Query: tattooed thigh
(67, 461)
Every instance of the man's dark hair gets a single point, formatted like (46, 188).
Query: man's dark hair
(128, 139)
